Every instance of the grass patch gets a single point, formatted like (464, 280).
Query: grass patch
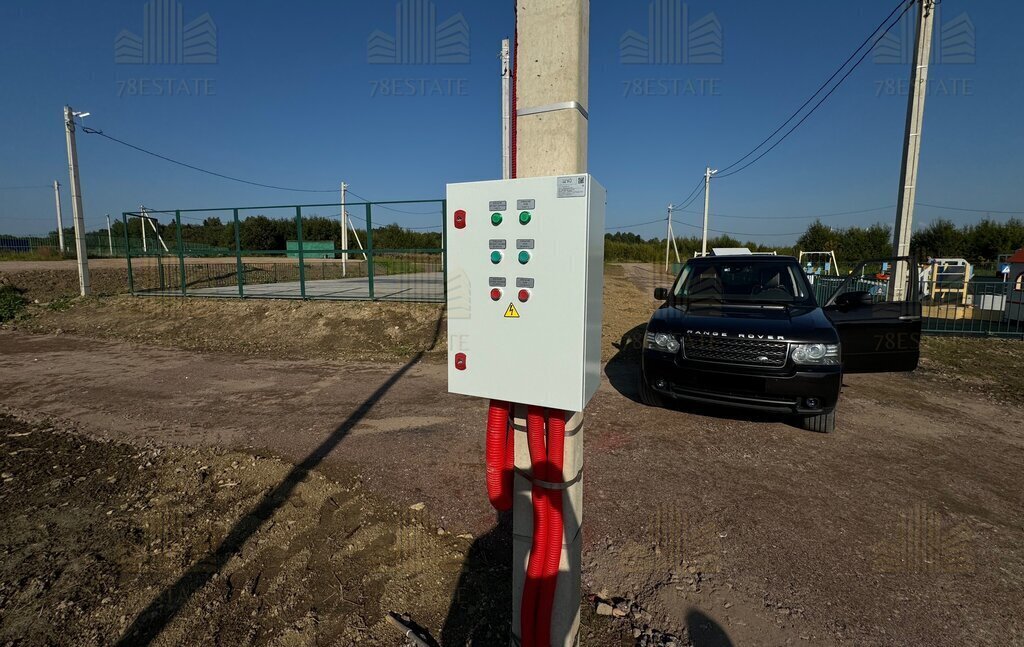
(60, 304)
(38, 254)
(12, 304)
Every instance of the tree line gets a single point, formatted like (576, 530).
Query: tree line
(260, 233)
(981, 243)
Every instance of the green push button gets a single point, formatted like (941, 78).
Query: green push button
(495, 219)
(525, 218)
(524, 257)
(495, 257)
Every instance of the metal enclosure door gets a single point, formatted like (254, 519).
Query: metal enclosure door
(879, 324)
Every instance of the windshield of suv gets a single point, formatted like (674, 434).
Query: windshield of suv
(743, 281)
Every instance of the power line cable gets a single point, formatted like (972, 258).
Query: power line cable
(909, 4)
(688, 199)
(390, 208)
(94, 131)
(636, 224)
(936, 206)
(742, 233)
(823, 215)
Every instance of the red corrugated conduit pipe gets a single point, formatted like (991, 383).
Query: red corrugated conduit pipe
(500, 455)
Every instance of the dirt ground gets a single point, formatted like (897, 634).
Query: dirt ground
(905, 527)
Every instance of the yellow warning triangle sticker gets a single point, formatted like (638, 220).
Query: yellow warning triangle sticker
(511, 312)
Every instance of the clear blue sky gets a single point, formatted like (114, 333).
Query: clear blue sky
(290, 101)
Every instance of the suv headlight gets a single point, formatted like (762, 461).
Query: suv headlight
(820, 354)
(661, 342)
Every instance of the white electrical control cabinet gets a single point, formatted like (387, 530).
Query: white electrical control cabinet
(525, 276)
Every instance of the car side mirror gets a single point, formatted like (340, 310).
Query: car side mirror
(661, 294)
(850, 300)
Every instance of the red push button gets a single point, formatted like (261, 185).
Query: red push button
(495, 294)
(460, 219)
(524, 296)
(460, 361)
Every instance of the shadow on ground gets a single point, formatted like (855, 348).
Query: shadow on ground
(481, 611)
(152, 620)
(705, 632)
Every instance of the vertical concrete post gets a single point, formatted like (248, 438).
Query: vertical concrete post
(912, 148)
(60, 217)
(76, 204)
(552, 86)
(553, 62)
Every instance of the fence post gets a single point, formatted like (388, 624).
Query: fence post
(369, 250)
(128, 254)
(238, 258)
(302, 257)
(181, 253)
(444, 248)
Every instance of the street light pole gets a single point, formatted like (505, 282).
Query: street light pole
(76, 200)
(707, 202)
(344, 232)
(670, 238)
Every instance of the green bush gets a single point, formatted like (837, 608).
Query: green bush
(12, 304)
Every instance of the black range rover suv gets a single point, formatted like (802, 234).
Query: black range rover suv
(746, 331)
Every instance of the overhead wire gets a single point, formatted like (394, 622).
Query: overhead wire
(936, 206)
(95, 131)
(724, 174)
(908, 3)
(812, 217)
(685, 202)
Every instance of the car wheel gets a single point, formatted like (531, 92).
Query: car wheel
(824, 423)
(648, 396)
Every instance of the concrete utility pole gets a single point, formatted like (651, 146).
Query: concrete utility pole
(110, 237)
(506, 111)
(60, 216)
(707, 203)
(142, 226)
(76, 200)
(553, 66)
(344, 231)
(670, 237)
(912, 147)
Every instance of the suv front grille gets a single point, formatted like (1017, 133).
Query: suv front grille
(728, 350)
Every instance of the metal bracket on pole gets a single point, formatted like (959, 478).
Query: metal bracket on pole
(554, 107)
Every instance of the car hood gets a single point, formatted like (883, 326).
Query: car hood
(796, 323)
